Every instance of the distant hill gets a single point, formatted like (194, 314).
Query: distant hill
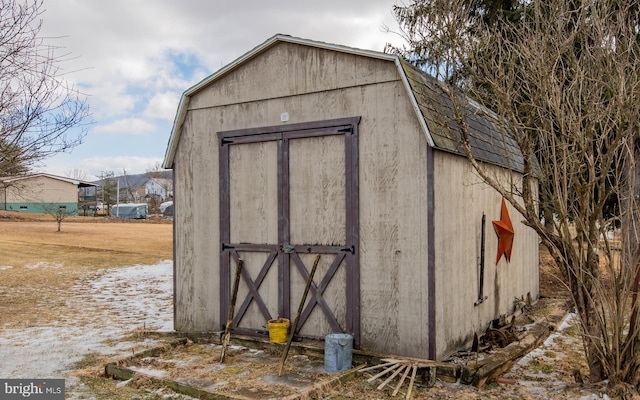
(138, 180)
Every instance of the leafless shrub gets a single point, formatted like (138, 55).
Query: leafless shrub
(564, 80)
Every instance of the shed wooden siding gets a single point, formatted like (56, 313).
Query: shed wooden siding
(313, 84)
(461, 198)
(196, 227)
(287, 70)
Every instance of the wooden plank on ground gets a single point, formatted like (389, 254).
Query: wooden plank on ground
(404, 376)
(390, 378)
(413, 378)
(382, 373)
(377, 366)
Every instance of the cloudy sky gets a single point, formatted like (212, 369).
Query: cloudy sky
(134, 58)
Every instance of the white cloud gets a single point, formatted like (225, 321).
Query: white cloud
(134, 58)
(108, 99)
(162, 106)
(126, 126)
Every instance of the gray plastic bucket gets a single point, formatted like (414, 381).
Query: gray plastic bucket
(337, 352)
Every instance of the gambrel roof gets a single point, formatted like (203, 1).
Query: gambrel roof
(430, 99)
(489, 143)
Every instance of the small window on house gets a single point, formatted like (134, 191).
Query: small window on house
(63, 207)
(23, 207)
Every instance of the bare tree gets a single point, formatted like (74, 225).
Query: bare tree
(12, 161)
(76, 173)
(131, 192)
(564, 81)
(155, 171)
(38, 107)
(14, 186)
(59, 213)
(164, 178)
(108, 190)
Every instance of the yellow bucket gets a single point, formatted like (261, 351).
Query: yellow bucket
(278, 330)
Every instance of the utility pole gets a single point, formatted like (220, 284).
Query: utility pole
(118, 198)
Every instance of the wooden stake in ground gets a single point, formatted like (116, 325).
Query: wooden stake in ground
(232, 308)
(295, 321)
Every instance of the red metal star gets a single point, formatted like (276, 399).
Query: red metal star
(504, 230)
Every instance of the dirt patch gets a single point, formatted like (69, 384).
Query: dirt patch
(549, 371)
(246, 372)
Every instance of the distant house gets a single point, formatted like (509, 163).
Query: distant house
(137, 188)
(159, 188)
(42, 193)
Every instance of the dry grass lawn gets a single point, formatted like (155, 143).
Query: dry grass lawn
(38, 264)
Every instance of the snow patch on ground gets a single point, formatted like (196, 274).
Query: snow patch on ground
(542, 380)
(148, 371)
(103, 309)
(44, 264)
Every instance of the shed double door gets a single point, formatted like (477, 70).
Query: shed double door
(287, 194)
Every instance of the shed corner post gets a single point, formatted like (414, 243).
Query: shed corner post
(431, 267)
(224, 182)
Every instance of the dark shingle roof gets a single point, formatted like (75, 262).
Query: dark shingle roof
(488, 142)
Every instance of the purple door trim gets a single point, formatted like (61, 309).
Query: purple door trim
(286, 250)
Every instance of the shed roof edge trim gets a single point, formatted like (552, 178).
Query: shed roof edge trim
(186, 96)
(414, 102)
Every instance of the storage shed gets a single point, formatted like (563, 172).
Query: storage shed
(300, 148)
